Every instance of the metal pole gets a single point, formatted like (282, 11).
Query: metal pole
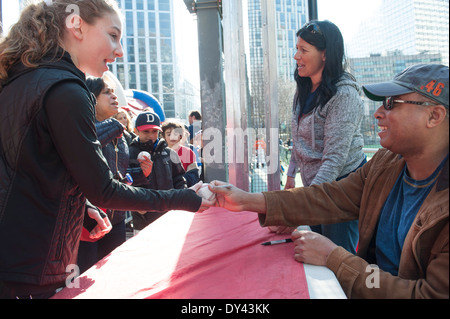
(270, 93)
(212, 90)
(312, 10)
(236, 93)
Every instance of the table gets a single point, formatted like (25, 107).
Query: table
(216, 254)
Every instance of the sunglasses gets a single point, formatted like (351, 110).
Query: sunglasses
(313, 28)
(388, 102)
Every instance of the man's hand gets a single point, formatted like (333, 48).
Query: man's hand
(146, 165)
(311, 248)
(281, 229)
(232, 198)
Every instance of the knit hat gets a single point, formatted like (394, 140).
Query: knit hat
(429, 80)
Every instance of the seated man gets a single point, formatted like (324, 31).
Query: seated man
(400, 197)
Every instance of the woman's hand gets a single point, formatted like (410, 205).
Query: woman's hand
(290, 183)
(205, 202)
(103, 225)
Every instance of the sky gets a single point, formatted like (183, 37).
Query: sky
(10, 13)
(346, 14)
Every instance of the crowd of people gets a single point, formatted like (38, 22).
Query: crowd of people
(72, 163)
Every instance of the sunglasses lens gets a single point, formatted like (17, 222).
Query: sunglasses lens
(387, 102)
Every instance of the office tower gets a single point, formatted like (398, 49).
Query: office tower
(150, 61)
(290, 16)
(409, 26)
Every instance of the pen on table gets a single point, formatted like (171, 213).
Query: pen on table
(275, 242)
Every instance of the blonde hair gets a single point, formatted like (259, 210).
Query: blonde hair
(129, 122)
(41, 27)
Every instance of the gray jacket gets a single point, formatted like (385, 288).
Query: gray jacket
(327, 142)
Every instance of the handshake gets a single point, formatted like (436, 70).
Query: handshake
(208, 197)
(203, 191)
(228, 196)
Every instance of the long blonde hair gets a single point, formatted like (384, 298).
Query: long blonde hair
(41, 27)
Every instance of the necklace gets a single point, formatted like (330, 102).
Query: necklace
(116, 148)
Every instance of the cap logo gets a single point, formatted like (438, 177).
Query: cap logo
(150, 118)
(431, 87)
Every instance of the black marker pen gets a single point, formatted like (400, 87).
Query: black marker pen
(275, 242)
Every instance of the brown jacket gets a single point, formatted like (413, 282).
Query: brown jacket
(424, 262)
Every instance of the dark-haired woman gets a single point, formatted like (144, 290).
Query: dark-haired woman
(327, 141)
(110, 133)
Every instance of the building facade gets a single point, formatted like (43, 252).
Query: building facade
(411, 26)
(150, 62)
(291, 15)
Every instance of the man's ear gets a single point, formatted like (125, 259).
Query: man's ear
(75, 26)
(437, 115)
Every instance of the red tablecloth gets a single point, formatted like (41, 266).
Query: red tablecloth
(216, 254)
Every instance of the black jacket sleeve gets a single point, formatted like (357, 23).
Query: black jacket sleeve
(71, 125)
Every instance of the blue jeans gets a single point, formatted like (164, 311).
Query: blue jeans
(344, 234)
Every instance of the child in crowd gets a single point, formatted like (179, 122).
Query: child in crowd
(123, 117)
(172, 132)
(158, 171)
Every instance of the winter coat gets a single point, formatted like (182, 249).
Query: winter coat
(166, 174)
(50, 161)
(424, 262)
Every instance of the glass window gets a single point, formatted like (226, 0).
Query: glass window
(164, 25)
(151, 24)
(141, 50)
(140, 24)
(143, 77)
(128, 4)
(167, 78)
(132, 76)
(140, 4)
(151, 4)
(155, 78)
(153, 50)
(130, 50)
(164, 5)
(169, 105)
(129, 22)
(121, 73)
(166, 50)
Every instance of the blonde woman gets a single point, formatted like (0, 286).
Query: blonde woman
(123, 117)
